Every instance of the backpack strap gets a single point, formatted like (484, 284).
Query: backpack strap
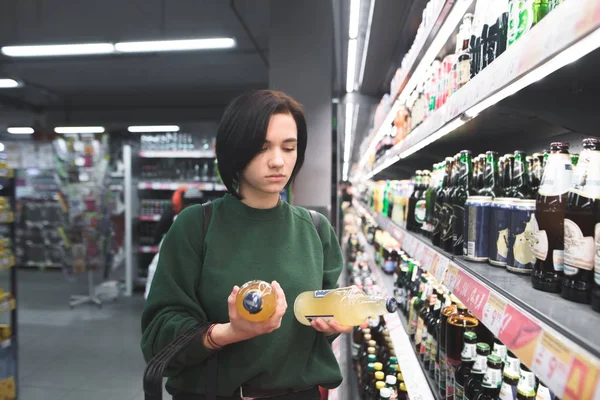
(316, 219)
(212, 363)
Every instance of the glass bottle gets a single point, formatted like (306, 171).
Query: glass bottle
(467, 357)
(459, 322)
(492, 381)
(411, 224)
(256, 301)
(548, 225)
(491, 180)
(439, 202)
(459, 198)
(473, 384)
(442, 370)
(448, 224)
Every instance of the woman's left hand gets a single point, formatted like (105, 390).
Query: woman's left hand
(331, 327)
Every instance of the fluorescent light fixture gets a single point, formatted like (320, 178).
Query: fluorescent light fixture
(78, 129)
(571, 54)
(348, 130)
(443, 131)
(1, 146)
(366, 46)
(175, 45)
(8, 83)
(456, 14)
(58, 50)
(22, 130)
(153, 128)
(345, 171)
(354, 18)
(351, 68)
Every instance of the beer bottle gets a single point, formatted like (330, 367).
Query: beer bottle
(414, 306)
(372, 392)
(479, 178)
(418, 303)
(467, 358)
(439, 202)
(430, 200)
(385, 394)
(548, 226)
(459, 198)
(521, 188)
(507, 175)
(448, 310)
(537, 172)
(510, 380)
(459, 322)
(390, 383)
(492, 381)
(530, 170)
(543, 393)
(473, 384)
(411, 224)
(582, 224)
(432, 322)
(500, 350)
(491, 181)
(448, 227)
(424, 316)
(402, 393)
(421, 204)
(527, 380)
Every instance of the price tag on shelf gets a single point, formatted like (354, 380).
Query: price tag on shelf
(583, 378)
(493, 314)
(552, 360)
(154, 186)
(520, 334)
(393, 322)
(451, 276)
(473, 294)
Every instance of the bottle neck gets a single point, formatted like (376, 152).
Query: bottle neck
(520, 180)
(491, 174)
(465, 174)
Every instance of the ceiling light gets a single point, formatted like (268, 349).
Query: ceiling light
(58, 50)
(1, 146)
(348, 131)
(351, 69)
(8, 83)
(175, 45)
(79, 129)
(354, 18)
(24, 130)
(153, 128)
(366, 46)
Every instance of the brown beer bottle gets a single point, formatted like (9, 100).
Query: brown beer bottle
(458, 323)
(548, 227)
(582, 218)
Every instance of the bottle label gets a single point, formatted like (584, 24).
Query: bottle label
(543, 393)
(558, 260)
(589, 179)
(522, 248)
(464, 71)
(579, 250)
(459, 391)
(558, 175)
(355, 350)
(540, 243)
(420, 211)
(433, 352)
(425, 348)
(419, 332)
(492, 378)
(321, 293)
(597, 257)
(450, 382)
(500, 351)
(469, 352)
(507, 392)
(480, 365)
(526, 381)
(512, 365)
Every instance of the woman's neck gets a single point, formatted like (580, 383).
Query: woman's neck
(257, 199)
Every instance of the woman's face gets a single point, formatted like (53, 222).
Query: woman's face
(272, 167)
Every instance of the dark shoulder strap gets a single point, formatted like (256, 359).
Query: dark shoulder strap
(213, 361)
(316, 219)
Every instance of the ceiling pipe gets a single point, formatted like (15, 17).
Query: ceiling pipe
(248, 32)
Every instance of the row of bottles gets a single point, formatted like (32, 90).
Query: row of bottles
(537, 214)
(481, 38)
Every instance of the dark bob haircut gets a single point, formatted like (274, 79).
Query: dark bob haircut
(243, 131)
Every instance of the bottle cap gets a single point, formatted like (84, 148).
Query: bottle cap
(393, 360)
(483, 347)
(385, 393)
(372, 358)
(368, 336)
(391, 380)
(370, 367)
(400, 377)
(379, 376)
(372, 343)
(494, 359)
(394, 368)
(525, 391)
(379, 385)
(253, 302)
(371, 350)
(470, 335)
(378, 366)
(391, 305)
(402, 387)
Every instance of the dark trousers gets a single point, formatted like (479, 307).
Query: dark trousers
(310, 394)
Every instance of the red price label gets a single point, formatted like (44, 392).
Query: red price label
(520, 334)
(473, 294)
(493, 314)
(551, 362)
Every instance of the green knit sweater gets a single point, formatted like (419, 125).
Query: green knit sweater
(192, 284)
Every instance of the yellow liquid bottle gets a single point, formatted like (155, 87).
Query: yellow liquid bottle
(348, 306)
(256, 301)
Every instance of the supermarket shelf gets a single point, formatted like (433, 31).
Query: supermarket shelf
(148, 249)
(556, 338)
(39, 265)
(155, 217)
(177, 154)
(428, 45)
(208, 186)
(418, 384)
(540, 52)
(116, 188)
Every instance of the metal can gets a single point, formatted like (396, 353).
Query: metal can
(477, 219)
(498, 232)
(522, 218)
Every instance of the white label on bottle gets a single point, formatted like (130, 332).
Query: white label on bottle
(469, 352)
(587, 180)
(540, 242)
(512, 365)
(526, 380)
(321, 293)
(492, 378)
(507, 392)
(558, 175)
(355, 350)
(579, 250)
(420, 211)
(558, 260)
(480, 365)
(500, 351)
(459, 391)
(597, 257)
(543, 393)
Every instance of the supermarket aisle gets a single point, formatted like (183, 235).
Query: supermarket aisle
(85, 353)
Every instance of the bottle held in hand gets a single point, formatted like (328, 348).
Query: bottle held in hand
(348, 306)
(256, 301)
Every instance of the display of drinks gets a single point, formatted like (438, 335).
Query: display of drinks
(442, 357)
(474, 381)
(548, 224)
(348, 306)
(447, 236)
(154, 207)
(256, 301)
(459, 198)
(438, 217)
(467, 358)
(582, 228)
(174, 169)
(458, 323)
(492, 380)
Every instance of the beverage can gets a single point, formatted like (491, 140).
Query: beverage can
(477, 218)
(522, 237)
(498, 232)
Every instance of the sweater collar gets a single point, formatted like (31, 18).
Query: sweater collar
(255, 214)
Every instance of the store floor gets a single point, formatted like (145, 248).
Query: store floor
(81, 354)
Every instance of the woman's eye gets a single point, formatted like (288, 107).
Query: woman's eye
(263, 150)
(289, 149)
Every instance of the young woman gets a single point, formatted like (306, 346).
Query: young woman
(261, 143)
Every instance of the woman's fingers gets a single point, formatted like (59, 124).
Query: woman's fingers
(320, 325)
(231, 301)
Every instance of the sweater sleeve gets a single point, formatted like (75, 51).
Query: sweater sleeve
(172, 307)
